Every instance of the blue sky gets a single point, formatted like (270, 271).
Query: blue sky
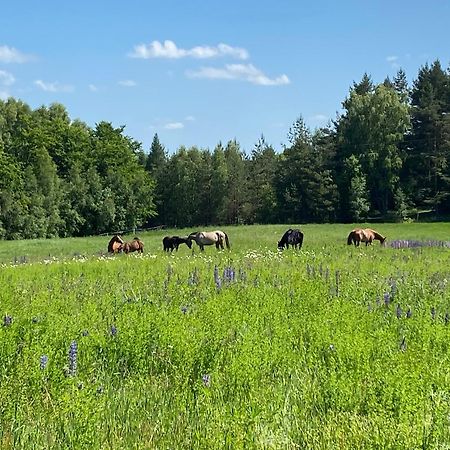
(198, 72)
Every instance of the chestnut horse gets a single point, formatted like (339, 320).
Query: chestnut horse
(202, 238)
(366, 235)
(115, 244)
(136, 245)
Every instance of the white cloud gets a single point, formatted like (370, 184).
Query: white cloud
(174, 126)
(12, 55)
(54, 86)
(168, 49)
(319, 118)
(247, 72)
(6, 79)
(93, 88)
(391, 58)
(4, 95)
(189, 118)
(127, 83)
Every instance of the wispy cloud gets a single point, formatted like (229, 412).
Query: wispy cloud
(54, 86)
(12, 55)
(127, 83)
(168, 49)
(174, 125)
(6, 79)
(93, 88)
(319, 118)
(393, 61)
(247, 72)
(189, 118)
(4, 95)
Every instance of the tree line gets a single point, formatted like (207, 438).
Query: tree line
(386, 155)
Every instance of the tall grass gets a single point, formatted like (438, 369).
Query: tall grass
(251, 348)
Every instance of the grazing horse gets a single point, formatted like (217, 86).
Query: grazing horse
(136, 245)
(202, 238)
(291, 237)
(366, 235)
(115, 244)
(173, 242)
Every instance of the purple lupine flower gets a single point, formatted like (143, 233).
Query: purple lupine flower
(409, 313)
(73, 353)
(393, 288)
(229, 275)
(399, 311)
(387, 298)
(7, 320)
(113, 331)
(206, 380)
(403, 345)
(43, 361)
(337, 274)
(217, 279)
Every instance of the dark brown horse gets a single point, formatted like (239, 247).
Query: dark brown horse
(173, 242)
(291, 237)
(366, 235)
(136, 245)
(115, 244)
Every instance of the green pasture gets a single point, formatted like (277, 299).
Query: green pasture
(330, 347)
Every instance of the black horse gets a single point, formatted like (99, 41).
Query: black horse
(173, 242)
(291, 237)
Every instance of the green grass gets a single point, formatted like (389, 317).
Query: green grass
(299, 351)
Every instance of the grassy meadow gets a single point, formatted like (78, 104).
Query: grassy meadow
(330, 347)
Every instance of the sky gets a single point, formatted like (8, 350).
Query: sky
(198, 73)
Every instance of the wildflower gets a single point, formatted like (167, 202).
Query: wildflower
(206, 380)
(217, 279)
(399, 311)
(43, 361)
(184, 309)
(229, 274)
(403, 344)
(73, 352)
(332, 348)
(387, 298)
(409, 313)
(7, 321)
(113, 331)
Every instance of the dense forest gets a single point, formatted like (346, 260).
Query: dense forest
(385, 156)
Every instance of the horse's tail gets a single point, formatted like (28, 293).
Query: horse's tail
(350, 238)
(300, 240)
(227, 241)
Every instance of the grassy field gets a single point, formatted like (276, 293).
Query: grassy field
(330, 347)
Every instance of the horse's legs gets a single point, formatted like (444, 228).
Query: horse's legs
(202, 248)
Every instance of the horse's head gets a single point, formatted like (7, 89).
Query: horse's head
(280, 245)
(189, 242)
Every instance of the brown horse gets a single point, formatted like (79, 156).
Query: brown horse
(115, 244)
(217, 238)
(366, 235)
(136, 245)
